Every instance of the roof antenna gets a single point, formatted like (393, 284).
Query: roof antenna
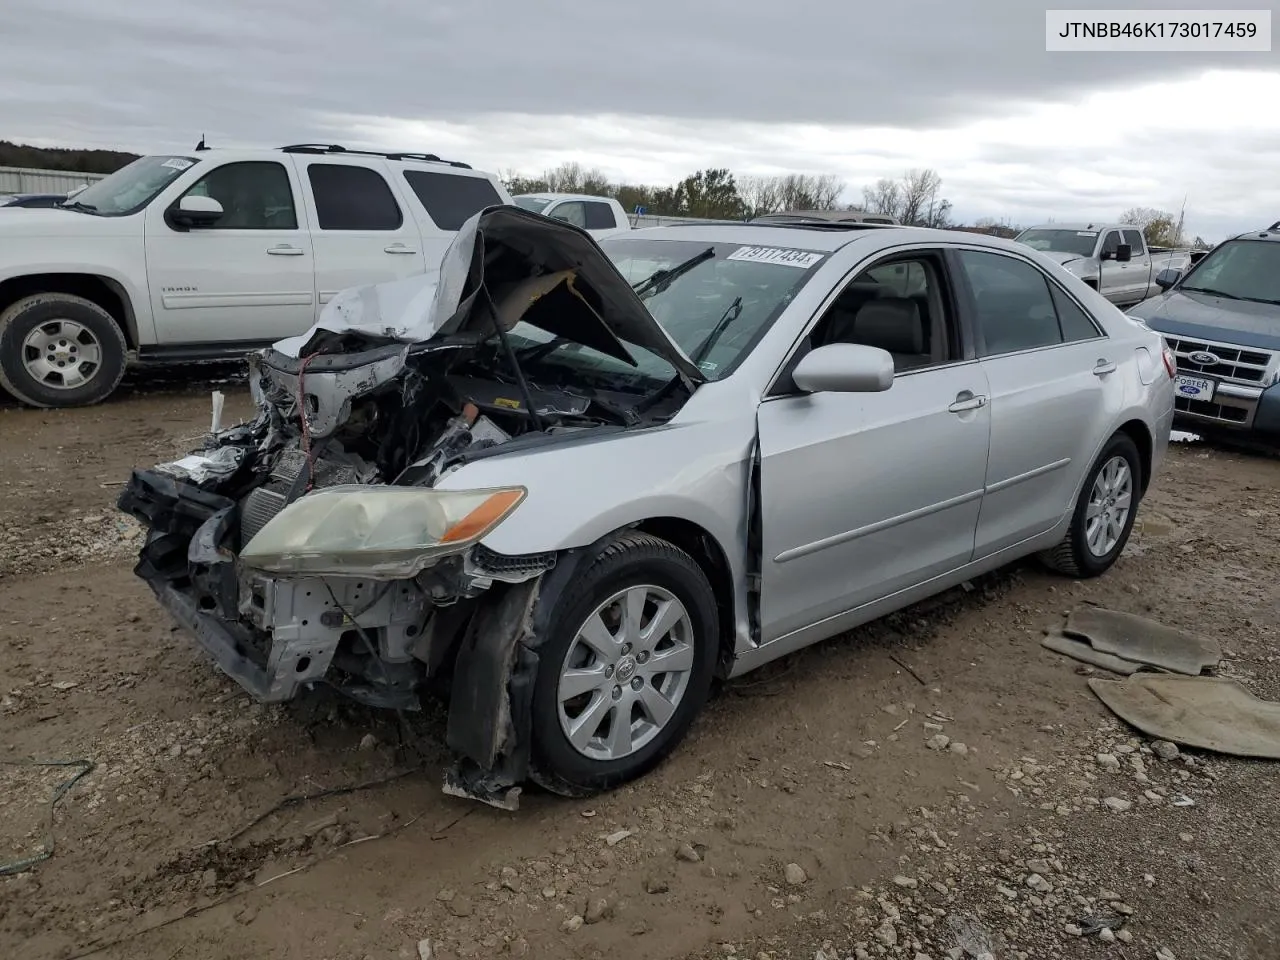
(201, 144)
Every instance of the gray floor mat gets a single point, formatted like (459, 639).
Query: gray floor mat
(1140, 640)
(1212, 713)
(1079, 650)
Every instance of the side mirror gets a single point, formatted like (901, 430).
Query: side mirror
(1124, 253)
(844, 368)
(1167, 278)
(194, 211)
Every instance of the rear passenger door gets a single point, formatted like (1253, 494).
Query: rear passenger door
(1052, 376)
(359, 229)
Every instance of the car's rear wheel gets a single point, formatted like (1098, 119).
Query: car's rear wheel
(59, 350)
(1104, 512)
(625, 666)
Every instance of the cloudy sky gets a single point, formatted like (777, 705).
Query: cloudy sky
(652, 91)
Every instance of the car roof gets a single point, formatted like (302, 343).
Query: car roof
(825, 237)
(563, 196)
(1085, 226)
(1270, 233)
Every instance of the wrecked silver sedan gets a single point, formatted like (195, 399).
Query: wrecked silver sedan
(569, 484)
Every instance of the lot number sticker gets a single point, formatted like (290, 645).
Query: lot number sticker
(780, 255)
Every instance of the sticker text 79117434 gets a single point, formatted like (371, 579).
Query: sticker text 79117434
(783, 256)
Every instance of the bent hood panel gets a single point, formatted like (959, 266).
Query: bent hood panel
(511, 247)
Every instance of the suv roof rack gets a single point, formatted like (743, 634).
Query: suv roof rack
(812, 223)
(400, 155)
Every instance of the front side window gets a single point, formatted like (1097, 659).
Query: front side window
(900, 307)
(571, 211)
(1239, 270)
(450, 199)
(130, 188)
(1016, 306)
(255, 195)
(1109, 245)
(532, 204)
(353, 198)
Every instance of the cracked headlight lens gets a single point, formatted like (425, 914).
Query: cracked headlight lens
(379, 532)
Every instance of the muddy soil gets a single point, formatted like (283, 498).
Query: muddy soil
(813, 812)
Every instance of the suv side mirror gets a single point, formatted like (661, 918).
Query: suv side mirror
(1124, 253)
(1167, 278)
(844, 368)
(193, 211)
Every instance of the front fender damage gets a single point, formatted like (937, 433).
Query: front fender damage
(491, 701)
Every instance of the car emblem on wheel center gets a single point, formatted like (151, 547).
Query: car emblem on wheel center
(1204, 358)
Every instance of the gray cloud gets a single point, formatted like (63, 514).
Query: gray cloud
(144, 72)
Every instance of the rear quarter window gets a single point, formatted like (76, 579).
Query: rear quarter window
(450, 200)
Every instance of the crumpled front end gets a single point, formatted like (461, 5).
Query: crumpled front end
(312, 547)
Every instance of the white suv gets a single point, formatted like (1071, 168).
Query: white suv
(209, 255)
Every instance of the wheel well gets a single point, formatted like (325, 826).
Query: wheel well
(105, 293)
(704, 549)
(1137, 432)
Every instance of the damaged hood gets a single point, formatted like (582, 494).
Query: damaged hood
(505, 258)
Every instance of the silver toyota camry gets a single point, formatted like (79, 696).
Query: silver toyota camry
(566, 485)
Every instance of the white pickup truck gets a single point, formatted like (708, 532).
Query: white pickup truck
(211, 254)
(599, 216)
(1113, 258)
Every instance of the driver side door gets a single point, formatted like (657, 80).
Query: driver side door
(864, 495)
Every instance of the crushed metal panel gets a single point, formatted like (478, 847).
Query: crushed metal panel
(1212, 713)
(1140, 640)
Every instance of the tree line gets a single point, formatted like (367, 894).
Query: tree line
(59, 158)
(719, 194)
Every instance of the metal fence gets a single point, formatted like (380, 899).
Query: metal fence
(27, 180)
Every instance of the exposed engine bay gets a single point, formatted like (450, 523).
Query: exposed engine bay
(360, 406)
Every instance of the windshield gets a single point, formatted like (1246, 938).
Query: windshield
(1078, 242)
(1241, 270)
(130, 188)
(715, 311)
(535, 204)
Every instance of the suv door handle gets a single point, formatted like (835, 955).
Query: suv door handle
(1104, 367)
(284, 250)
(398, 248)
(966, 401)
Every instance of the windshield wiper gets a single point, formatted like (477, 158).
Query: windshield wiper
(661, 279)
(1211, 292)
(77, 205)
(540, 350)
(700, 352)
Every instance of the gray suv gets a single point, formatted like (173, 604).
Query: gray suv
(1222, 320)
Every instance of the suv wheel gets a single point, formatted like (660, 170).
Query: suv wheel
(626, 664)
(60, 350)
(1104, 513)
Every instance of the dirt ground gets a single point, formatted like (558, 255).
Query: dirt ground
(806, 816)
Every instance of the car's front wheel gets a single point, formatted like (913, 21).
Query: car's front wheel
(1104, 512)
(59, 350)
(625, 666)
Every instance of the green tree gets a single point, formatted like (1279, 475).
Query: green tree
(708, 193)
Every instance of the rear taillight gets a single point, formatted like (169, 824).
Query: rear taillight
(1170, 362)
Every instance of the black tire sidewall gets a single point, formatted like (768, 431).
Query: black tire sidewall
(1089, 564)
(667, 567)
(41, 309)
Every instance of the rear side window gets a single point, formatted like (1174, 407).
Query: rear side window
(1134, 239)
(450, 200)
(1075, 323)
(1016, 309)
(353, 198)
(600, 216)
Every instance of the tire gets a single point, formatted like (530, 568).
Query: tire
(622, 678)
(44, 342)
(1074, 556)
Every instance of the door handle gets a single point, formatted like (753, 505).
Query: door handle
(398, 248)
(284, 250)
(967, 401)
(1103, 368)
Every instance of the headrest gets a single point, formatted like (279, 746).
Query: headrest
(893, 324)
